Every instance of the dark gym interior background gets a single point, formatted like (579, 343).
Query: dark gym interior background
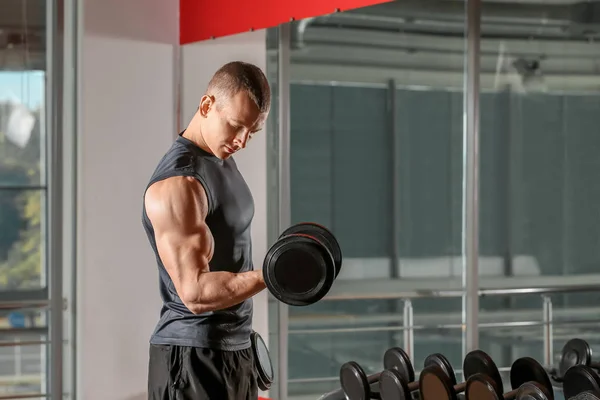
(368, 135)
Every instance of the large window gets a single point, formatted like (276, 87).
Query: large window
(539, 162)
(29, 80)
(378, 121)
(376, 152)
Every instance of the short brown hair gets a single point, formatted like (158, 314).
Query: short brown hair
(238, 75)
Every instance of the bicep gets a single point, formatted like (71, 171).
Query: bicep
(177, 208)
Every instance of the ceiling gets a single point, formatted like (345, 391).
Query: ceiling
(423, 43)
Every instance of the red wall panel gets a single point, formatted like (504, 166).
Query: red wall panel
(204, 19)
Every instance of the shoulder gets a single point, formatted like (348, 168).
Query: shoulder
(174, 187)
(175, 195)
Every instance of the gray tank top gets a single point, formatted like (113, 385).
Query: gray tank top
(230, 213)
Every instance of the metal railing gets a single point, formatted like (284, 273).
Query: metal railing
(548, 322)
(10, 305)
(24, 304)
(385, 288)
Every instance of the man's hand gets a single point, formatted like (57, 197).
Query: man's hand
(177, 208)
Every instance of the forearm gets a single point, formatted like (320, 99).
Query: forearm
(212, 291)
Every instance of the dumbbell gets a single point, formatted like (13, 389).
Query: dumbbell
(301, 266)
(528, 380)
(396, 381)
(581, 379)
(262, 361)
(436, 384)
(575, 352)
(393, 384)
(356, 385)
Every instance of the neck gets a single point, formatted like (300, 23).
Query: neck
(193, 132)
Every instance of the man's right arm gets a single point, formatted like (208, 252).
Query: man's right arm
(177, 208)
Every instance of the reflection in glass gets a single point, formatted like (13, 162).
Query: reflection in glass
(539, 141)
(376, 114)
(539, 220)
(377, 141)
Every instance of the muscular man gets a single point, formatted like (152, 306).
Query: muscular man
(197, 215)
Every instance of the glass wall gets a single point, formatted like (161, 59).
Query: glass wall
(376, 155)
(29, 84)
(379, 111)
(539, 157)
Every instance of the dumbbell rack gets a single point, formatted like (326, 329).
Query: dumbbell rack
(576, 375)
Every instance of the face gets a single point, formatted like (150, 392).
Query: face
(228, 124)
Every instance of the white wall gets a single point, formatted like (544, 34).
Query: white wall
(126, 123)
(199, 62)
(127, 120)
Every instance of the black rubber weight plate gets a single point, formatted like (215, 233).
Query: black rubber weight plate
(323, 234)
(478, 362)
(574, 352)
(263, 361)
(526, 369)
(481, 387)
(392, 386)
(298, 270)
(354, 381)
(533, 391)
(434, 384)
(581, 378)
(441, 361)
(396, 358)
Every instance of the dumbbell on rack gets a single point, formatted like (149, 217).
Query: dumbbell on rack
(356, 385)
(399, 384)
(528, 380)
(396, 381)
(575, 352)
(581, 379)
(435, 384)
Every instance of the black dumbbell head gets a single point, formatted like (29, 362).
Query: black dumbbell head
(479, 362)
(574, 352)
(481, 387)
(579, 379)
(441, 361)
(298, 269)
(396, 358)
(434, 384)
(533, 391)
(262, 360)
(392, 386)
(525, 370)
(324, 235)
(354, 381)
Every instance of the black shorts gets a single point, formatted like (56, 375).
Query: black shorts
(182, 373)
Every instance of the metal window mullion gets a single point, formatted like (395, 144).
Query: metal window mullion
(470, 276)
(23, 188)
(54, 108)
(283, 86)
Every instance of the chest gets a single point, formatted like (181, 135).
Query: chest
(233, 206)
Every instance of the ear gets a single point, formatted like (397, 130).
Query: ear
(206, 104)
